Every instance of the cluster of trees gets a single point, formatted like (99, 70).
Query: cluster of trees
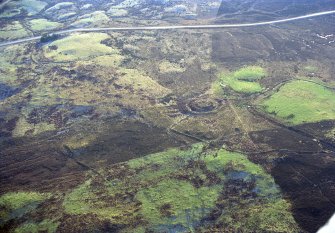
(49, 38)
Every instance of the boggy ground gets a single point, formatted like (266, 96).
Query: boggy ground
(216, 187)
(101, 137)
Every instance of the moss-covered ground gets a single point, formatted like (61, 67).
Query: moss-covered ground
(13, 30)
(46, 225)
(173, 203)
(302, 101)
(43, 24)
(178, 189)
(22, 127)
(174, 190)
(16, 204)
(244, 80)
(78, 46)
(20, 199)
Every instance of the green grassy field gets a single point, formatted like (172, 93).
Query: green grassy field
(301, 101)
(12, 31)
(244, 80)
(78, 46)
(43, 24)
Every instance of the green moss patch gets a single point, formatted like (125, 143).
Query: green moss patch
(140, 82)
(244, 80)
(78, 46)
(173, 202)
(273, 216)
(85, 200)
(22, 127)
(12, 31)
(240, 166)
(16, 204)
(238, 161)
(20, 199)
(266, 217)
(107, 61)
(43, 25)
(301, 101)
(46, 225)
(166, 157)
(176, 190)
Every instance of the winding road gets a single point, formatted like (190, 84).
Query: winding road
(171, 27)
